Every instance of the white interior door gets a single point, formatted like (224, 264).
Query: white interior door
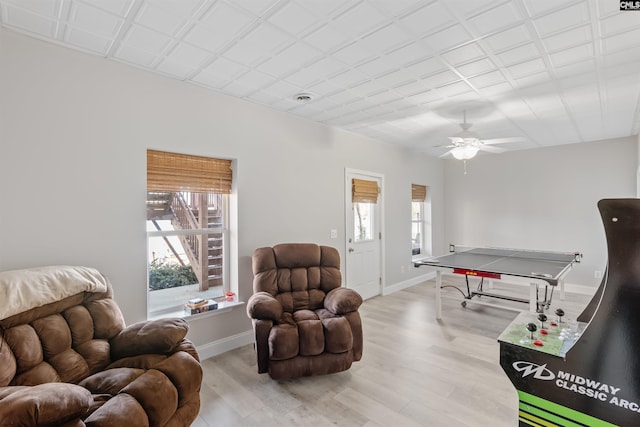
(363, 238)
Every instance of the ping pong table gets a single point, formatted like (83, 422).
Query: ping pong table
(548, 268)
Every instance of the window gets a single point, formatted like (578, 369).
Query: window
(187, 228)
(364, 197)
(420, 222)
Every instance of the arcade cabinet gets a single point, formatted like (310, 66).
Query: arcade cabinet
(585, 372)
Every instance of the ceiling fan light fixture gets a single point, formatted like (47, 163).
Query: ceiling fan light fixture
(464, 152)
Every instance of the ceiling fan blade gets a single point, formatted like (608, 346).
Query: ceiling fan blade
(447, 154)
(444, 146)
(491, 149)
(503, 140)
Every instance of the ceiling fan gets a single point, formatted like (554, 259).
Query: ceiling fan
(466, 144)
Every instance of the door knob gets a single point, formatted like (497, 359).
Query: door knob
(351, 250)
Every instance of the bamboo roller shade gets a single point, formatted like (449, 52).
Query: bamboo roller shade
(182, 172)
(418, 193)
(364, 191)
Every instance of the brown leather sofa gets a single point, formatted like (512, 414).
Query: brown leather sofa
(305, 323)
(72, 361)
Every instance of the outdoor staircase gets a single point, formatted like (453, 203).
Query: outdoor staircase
(191, 211)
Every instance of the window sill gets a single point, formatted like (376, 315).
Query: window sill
(223, 307)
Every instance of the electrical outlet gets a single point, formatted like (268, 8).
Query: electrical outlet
(402, 269)
(334, 233)
(597, 274)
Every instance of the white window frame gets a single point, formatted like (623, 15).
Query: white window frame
(427, 232)
(175, 310)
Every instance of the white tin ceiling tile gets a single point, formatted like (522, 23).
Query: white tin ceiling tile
(526, 68)
(326, 8)
(425, 97)
(237, 90)
(487, 79)
(226, 20)
(575, 70)
(118, 7)
(225, 68)
(257, 7)
(353, 54)
(262, 97)
(349, 78)
(467, 53)
(27, 21)
(203, 37)
(576, 36)
(94, 20)
(47, 9)
(427, 67)
(620, 23)
(283, 90)
(508, 38)
(496, 90)
(323, 88)
(620, 42)
(87, 41)
(343, 97)
(440, 79)
(383, 97)
(410, 88)
(145, 39)
(367, 88)
(448, 38)
(326, 67)
(386, 38)
(135, 56)
(409, 54)
(621, 61)
(427, 20)
(188, 55)
(504, 15)
(454, 89)
(519, 54)
(159, 19)
(182, 7)
(538, 7)
(531, 79)
(396, 7)
(395, 78)
(563, 19)
(572, 55)
(255, 79)
(294, 19)
(328, 37)
(360, 19)
(212, 80)
(468, 8)
(175, 69)
(377, 67)
(303, 78)
(476, 67)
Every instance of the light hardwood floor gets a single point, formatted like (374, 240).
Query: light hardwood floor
(415, 371)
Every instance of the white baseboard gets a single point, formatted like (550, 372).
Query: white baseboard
(223, 345)
(388, 290)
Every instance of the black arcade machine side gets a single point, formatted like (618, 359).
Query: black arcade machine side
(585, 372)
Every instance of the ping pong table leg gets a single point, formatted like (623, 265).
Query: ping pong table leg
(533, 297)
(438, 295)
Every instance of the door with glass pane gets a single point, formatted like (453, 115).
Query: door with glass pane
(363, 232)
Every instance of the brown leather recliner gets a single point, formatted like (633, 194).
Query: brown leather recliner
(305, 323)
(72, 361)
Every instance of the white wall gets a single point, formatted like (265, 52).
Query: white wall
(541, 199)
(74, 130)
